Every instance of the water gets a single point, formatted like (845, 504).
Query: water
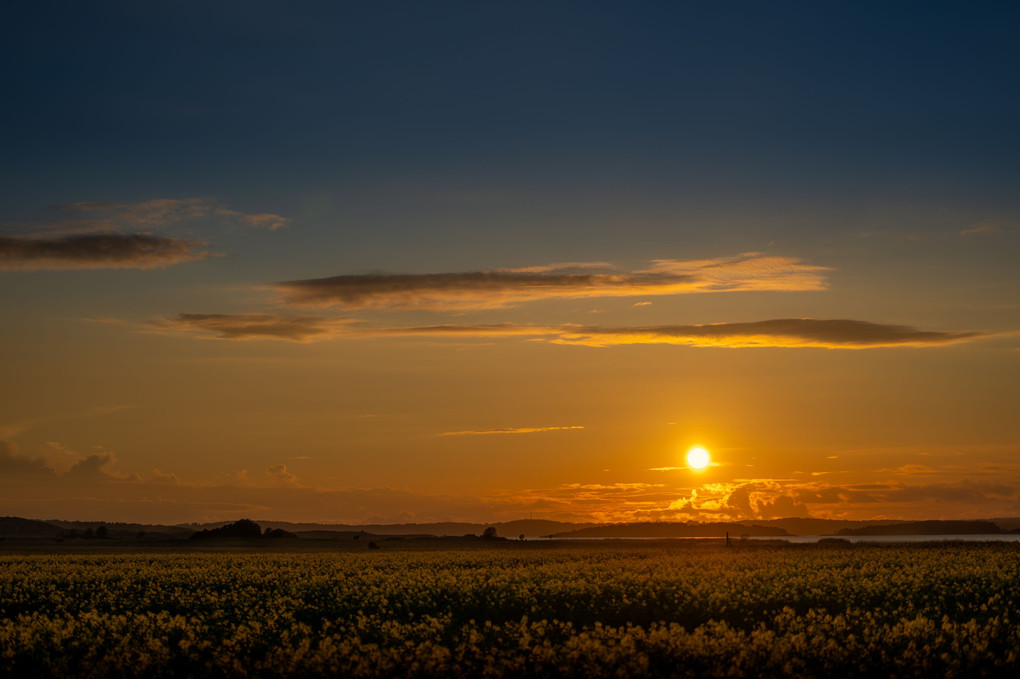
(807, 539)
(995, 537)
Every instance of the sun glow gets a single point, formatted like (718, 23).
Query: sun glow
(697, 458)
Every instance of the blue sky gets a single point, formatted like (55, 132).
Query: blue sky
(672, 103)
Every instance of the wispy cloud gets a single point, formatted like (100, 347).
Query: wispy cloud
(785, 332)
(507, 287)
(559, 267)
(112, 235)
(987, 228)
(149, 215)
(98, 251)
(473, 330)
(509, 430)
(254, 326)
(980, 229)
(789, 332)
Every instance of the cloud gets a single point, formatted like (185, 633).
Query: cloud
(739, 503)
(965, 499)
(112, 235)
(160, 476)
(560, 267)
(911, 469)
(451, 330)
(255, 326)
(509, 430)
(255, 221)
(12, 464)
(93, 466)
(785, 332)
(506, 287)
(98, 251)
(149, 215)
(980, 229)
(780, 507)
(91, 489)
(789, 332)
(987, 228)
(279, 474)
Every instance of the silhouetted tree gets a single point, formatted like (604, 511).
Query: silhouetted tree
(245, 528)
(489, 533)
(372, 545)
(521, 537)
(279, 533)
(101, 532)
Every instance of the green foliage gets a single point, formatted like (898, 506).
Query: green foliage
(890, 610)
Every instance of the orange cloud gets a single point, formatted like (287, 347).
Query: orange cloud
(94, 489)
(507, 287)
(279, 474)
(789, 332)
(451, 330)
(785, 332)
(255, 326)
(510, 430)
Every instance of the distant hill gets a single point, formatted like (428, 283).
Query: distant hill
(927, 528)
(531, 528)
(1008, 524)
(126, 530)
(16, 527)
(807, 526)
(672, 529)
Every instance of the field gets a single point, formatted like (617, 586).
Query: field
(665, 609)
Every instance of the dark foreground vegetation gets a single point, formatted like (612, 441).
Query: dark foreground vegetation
(245, 529)
(518, 609)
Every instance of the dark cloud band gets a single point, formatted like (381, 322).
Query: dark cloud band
(506, 287)
(255, 326)
(788, 332)
(98, 251)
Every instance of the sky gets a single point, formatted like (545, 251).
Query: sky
(370, 262)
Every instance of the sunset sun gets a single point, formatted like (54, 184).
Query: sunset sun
(697, 458)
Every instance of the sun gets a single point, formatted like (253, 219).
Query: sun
(697, 458)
